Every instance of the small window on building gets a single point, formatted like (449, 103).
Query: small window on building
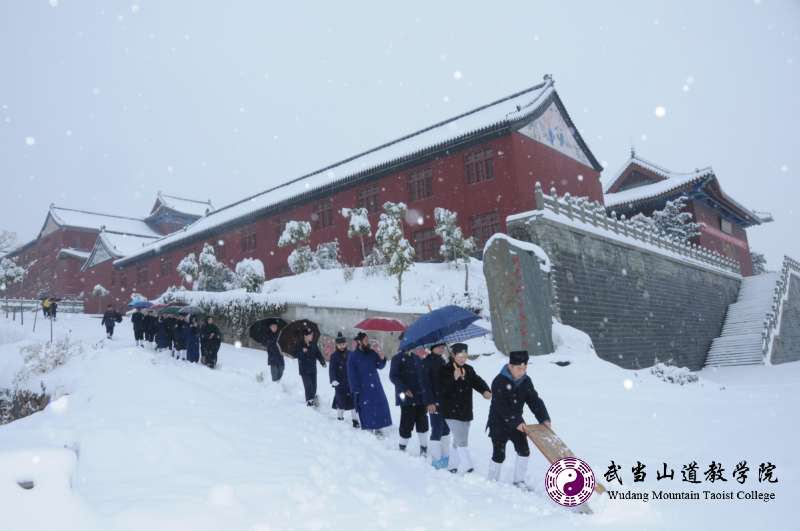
(726, 226)
(420, 185)
(323, 214)
(247, 240)
(426, 245)
(479, 166)
(483, 226)
(369, 198)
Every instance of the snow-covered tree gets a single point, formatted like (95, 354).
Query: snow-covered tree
(328, 256)
(297, 234)
(10, 273)
(455, 247)
(213, 275)
(187, 268)
(759, 263)
(671, 222)
(8, 241)
(358, 226)
(250, 274)
(394, 247)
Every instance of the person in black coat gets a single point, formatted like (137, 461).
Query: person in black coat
(406, 373)
(162, 333)
(150, 326)
(308, 354)
(137, 319)
(512, 389)
(210, 340)
(109, 321)
(343, 397)
(457, 381)
(440, 432)
(179, 331)
(275, 359)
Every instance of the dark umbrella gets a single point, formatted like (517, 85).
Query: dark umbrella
(292, 335)
(190, 310)
(434, 326)
(170, 310)
(381, 324)
(470, 332)
(140, 304)
(258, 330)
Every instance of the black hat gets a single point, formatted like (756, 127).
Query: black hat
(438, 344)
(518, 357)
(360, 336)
(340, 339)
(308, 331)
(455, 348)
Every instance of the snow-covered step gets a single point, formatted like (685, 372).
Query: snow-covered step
(739, 342)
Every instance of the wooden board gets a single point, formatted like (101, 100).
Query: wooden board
(552, 447)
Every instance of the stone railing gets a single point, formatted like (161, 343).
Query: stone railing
(773, 319)
(23, 305)
(594, 214)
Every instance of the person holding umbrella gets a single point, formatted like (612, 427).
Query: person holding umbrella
(211, 338)
(308, 354)
(405, 372)
(457, 381)
(511, 390)
(342, 398)
(150, 326)
(362, 373)
(162, 333)
(179, 327)
(137, 319)
(440, 433)
(275, 359)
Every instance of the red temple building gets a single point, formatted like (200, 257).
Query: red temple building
(643, 187)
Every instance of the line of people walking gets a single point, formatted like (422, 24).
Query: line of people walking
(434, 393)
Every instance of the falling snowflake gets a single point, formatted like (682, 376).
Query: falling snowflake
(627, 383)
(53, 3)
(784, 168)
(29, 141)
(457, 74)
(660, 111)
(237, 344)
(134, 8)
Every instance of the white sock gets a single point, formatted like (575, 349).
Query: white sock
(354, 414)
(340, 414)
(446, 446)
(452, 460)
(520, 469)
(464, 457)
(404, 442)
(494, 471)
(423, 439)
(435, 450)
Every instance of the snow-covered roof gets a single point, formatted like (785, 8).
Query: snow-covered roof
(649, 191)
(610, 180)
(183, 205)
(120, 244)
(83, 219)
(512, 110)
(69, 252)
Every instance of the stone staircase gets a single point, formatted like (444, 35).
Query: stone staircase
(741, 340)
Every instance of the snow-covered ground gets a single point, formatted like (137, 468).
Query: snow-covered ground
(137, 440)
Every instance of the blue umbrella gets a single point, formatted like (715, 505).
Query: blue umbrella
(434, 326)
(140, 304)
(470, 332)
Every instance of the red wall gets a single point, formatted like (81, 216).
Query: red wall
(733, 245)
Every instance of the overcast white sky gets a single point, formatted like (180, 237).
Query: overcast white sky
(103, 103)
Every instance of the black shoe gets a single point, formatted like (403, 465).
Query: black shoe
(453, 470)
(356, 424)
(402, 447)
(470, 471)
(339, 418)
(423, 451)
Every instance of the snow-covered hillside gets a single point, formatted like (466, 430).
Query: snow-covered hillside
(137, 440)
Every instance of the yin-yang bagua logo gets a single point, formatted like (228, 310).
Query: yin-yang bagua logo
(569, 481)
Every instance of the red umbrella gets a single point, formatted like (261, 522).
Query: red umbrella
(381, 324)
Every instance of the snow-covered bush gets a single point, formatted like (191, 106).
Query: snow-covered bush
(21, 403)
(213, 275)
(348, 273)
(455, 247)
(41, 358)
(297, 234)
(99, 291)
(759, 263)
(671, 222)
(358, 226)
(250, 274)
(673, 374)
(393, 246)
(187, 268)
(10, 273)
(238, 314)
(328, 256)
